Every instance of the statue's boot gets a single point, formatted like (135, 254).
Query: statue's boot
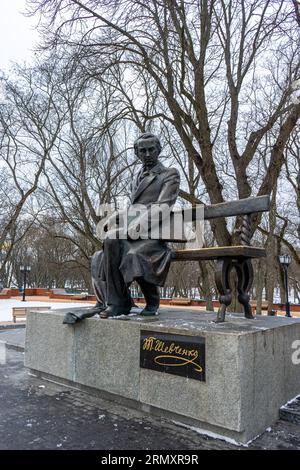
(116, 310)
(75, 317)
(151, 294)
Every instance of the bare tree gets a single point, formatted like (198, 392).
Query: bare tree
(88, 165)
(205, 59)
(29, 124)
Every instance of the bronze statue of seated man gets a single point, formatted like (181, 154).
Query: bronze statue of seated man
(146, 261)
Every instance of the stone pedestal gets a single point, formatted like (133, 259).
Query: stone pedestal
(249, 372)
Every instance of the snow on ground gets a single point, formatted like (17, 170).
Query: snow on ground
(6, 306)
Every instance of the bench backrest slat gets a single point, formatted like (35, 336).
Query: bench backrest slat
(229, 209)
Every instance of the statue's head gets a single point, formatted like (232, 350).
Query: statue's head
(147, 148)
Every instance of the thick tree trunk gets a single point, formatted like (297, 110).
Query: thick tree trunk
(260, 277)
(205, 287)
(271, 261)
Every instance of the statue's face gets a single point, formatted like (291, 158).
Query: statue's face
(147, 152)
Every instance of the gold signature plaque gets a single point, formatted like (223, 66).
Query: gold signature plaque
(173, 354)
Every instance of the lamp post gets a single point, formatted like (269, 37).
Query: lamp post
(285, 261)
(24, 269)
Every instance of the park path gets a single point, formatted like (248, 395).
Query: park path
(36, 414)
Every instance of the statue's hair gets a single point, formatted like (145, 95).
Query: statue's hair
(147, 135)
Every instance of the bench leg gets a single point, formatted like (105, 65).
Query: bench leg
(222, 273)
(244, 271)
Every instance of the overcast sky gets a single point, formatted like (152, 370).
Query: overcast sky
(18, 33)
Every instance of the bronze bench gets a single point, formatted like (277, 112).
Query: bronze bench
(231, 257)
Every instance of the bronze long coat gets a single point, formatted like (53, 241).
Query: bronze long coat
(150, 259)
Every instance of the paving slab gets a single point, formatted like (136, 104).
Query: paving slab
(40, 415)
(249, 372)
(13, 337)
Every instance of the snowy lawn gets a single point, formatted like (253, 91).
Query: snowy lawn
(6, 306)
